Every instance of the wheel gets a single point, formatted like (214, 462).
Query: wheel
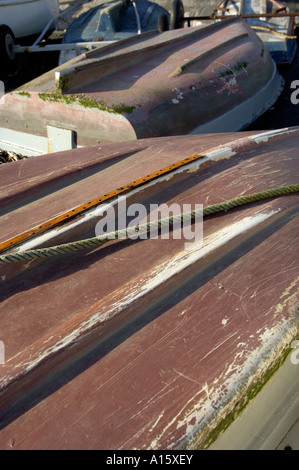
(7, 42)
(176, 14)
(163, 23)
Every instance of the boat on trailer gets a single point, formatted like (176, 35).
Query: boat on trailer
(275, 31)
(177, 82)
(113, 21)
(272, 21)
(149, 342)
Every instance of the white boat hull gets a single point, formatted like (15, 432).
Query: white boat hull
(27, 17)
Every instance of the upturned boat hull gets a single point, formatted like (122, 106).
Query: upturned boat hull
(147, 343)
(178, 82)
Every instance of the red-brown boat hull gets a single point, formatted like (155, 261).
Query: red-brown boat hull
(146, 344)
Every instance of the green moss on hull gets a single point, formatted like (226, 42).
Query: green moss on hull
(24, 93)
(85, 102)
(61, 85)
(240, 66)
(237, 68)
(242, 404)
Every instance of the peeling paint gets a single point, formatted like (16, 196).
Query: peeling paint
(179, 96)
(265, 136)
(231, 86)
(207, 423)
(156, 277)
(287, 291)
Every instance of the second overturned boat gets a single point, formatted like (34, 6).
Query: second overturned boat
(113, 21)
(185, 81)
(276, 28)
(150, 342)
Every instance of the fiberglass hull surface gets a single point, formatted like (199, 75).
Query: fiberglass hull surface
(146, 344)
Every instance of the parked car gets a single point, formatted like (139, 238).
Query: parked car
(20, 19)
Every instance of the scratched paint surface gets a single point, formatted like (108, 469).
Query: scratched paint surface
(79, 169)
(159, 342)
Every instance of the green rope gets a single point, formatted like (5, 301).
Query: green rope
(138, 229)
